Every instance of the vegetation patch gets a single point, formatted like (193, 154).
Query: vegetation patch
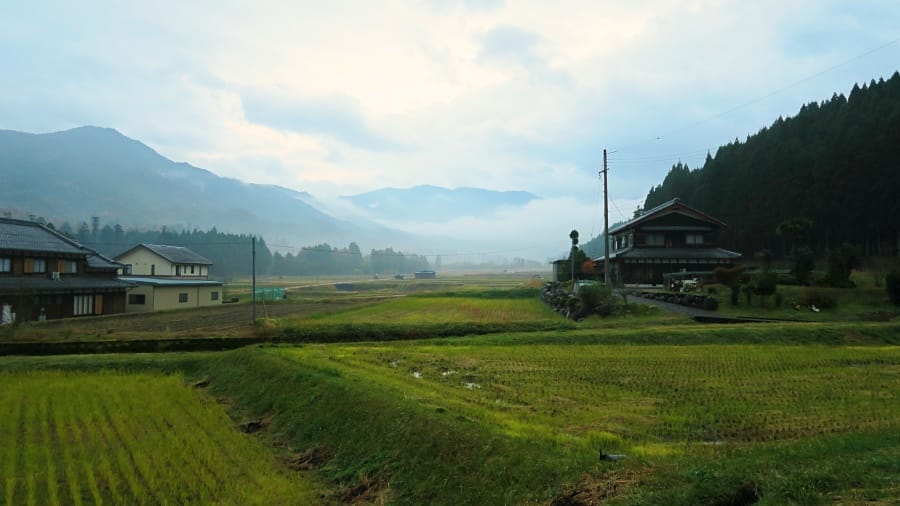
(75, 438)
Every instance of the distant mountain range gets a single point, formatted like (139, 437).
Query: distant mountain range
(90, 171)
(435, 204)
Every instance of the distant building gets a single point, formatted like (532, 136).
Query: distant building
(168, 277)
(163, 261)
(671, 237)
(46, 275)
(425, 274)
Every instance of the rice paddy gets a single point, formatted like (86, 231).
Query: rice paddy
(113, 438)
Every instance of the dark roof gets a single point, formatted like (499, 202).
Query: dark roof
(670, 206)
(65, 283)
(675, 253)
(174, 254)
(98, 261)
(20, 235)
(138, 280)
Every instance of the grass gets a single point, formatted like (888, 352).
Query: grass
(866, 302)
(783, 413)
(705, 414)
(89, 438)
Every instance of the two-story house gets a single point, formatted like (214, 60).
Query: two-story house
(167, 277)
(671, 237)
(45, 275)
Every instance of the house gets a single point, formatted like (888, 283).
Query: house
(164, 262)
(46, 275)
(167, 277)
(672, 237)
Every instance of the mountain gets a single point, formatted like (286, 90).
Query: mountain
(836, 164)
(90, 171)
(433, 204)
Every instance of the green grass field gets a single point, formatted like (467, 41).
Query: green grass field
(115, 438)
(515, 406)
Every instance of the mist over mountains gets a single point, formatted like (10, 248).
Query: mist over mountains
(91, 171)
(436, 204)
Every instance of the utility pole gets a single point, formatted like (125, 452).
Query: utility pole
(605, 173)
(253, 269)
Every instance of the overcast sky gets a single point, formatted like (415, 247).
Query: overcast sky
(336, 98)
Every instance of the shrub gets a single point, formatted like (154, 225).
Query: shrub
(892, 286)
(732, 279)
(819, 299)
(765, 284)
(803, 265)
(593, 295)
(841, 262)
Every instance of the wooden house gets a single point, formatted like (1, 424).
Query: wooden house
(46, 275)
(672, 237)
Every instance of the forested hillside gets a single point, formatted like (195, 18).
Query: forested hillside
(836, 164)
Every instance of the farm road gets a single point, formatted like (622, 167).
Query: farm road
(690, 312)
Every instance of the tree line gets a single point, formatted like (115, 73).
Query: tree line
(231, 254)
(834, 166)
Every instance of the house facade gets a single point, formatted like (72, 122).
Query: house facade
(46, 275)
(163, 261)
(672, 237)
(167, 277)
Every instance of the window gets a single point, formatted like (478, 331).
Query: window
(153, 269)
(192, 269)
(655, 239)
(693, 239)
(137, 298)
(127, 269)
(5, 265)
(213, 295)
(33, 265)
(84, 304)
(183, 297)
(68, 266)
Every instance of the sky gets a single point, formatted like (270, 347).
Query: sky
(342, 97)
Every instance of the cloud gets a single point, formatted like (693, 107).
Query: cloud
(511, 45)
(350, 97)
(338, 117)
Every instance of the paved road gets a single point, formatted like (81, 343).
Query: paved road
(691, 312)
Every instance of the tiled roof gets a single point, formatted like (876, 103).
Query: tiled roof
(675, 253)
(174, 254)
(65, 283)
(98, 261)
(676, 202)
(20, 235)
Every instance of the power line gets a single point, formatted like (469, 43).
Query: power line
(763, 97)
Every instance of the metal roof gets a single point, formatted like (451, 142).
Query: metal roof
(138, 280)
(174, 254)
(20, 235)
